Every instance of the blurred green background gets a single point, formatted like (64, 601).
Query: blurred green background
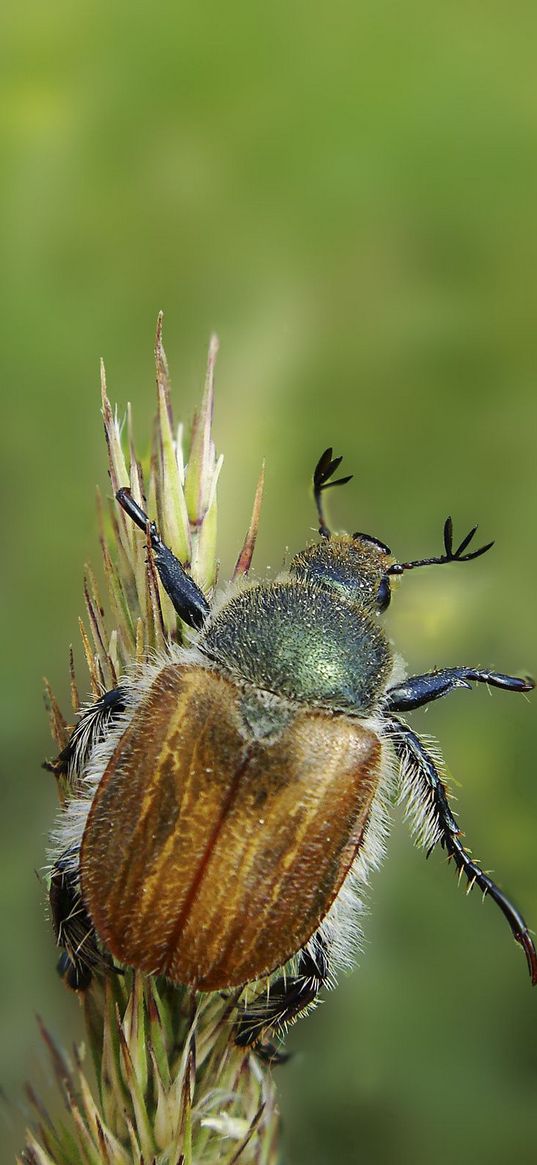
(347, 194)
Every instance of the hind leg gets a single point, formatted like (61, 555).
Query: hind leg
(73, 928)
(286, 999)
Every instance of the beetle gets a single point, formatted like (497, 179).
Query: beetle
(232, 796)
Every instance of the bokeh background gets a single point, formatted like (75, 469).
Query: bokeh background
(347, 194)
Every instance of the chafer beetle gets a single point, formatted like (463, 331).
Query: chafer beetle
(234, 794)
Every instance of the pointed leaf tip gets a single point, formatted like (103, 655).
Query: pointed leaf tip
(214, 348)
(244, 560)
(202, 457)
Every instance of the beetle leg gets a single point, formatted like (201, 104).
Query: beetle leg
(73, 928)
(410, 749)
(89, 731)
(287, 998)
(187, 598)
(418, 690)
(270, 1054)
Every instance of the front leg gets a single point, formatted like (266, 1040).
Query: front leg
(187, 598)
(419, 690)
(431, 791)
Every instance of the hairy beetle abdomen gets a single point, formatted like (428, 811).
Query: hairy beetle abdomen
(211, 855)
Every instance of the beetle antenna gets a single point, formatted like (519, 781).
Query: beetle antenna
(324, 470)
(450, 554)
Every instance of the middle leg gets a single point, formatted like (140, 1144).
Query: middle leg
(411, 751)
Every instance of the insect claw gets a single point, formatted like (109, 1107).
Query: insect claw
(528, 946)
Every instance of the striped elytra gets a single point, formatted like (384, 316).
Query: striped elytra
(212, 852)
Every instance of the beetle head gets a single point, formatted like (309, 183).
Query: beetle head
(355, 567)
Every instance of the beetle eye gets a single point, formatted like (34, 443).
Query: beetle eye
(384, 594)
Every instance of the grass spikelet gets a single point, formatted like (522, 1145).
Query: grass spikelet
(158, 1079)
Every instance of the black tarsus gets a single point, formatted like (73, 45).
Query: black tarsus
(407, 743)
(288, 996)
(187, 598)
(270, 1054)
(450, 554)
(416, 691)
(324, 470)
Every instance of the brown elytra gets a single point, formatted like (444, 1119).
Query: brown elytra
(211, 856)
